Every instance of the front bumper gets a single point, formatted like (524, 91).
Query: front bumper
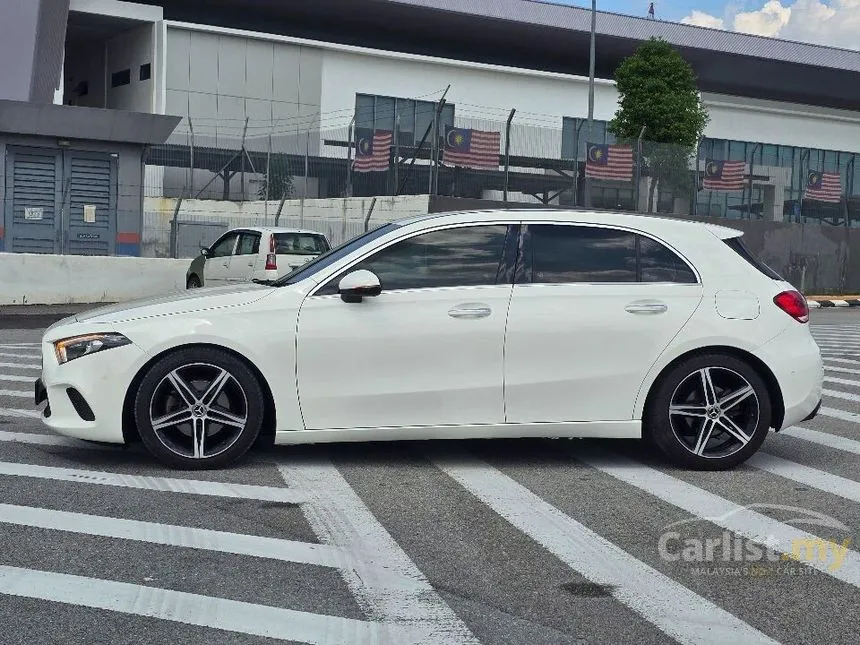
(85, 396)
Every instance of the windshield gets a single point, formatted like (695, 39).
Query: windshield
(332, 256)
(300, 244)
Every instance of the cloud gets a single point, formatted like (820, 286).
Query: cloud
(836, 23)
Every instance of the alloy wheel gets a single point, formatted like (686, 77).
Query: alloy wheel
(714, 412)
(198, 410)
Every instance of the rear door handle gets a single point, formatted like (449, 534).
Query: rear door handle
(646, 308)
(470, 310)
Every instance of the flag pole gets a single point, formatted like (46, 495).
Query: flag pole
(591, 54)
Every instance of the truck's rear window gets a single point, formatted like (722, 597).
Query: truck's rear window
(300, 244)
(737, 245)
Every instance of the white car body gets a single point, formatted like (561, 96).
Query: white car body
(563, 359)
(255, 253)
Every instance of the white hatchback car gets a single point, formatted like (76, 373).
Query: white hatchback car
(254, 253)
(459, 325)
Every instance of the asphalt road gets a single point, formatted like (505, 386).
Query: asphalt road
(526, 542)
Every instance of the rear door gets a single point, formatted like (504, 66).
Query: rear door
(216, 269)
(592, 309)
(245, 258)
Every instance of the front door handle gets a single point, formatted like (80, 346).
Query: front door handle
(646, 308)
(470, 310)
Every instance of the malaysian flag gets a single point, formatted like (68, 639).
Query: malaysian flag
(823, 186)
(606, 161)
(724, 175)
(372, 149)
(471, 148)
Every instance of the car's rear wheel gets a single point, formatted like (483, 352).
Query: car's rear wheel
(199, 408)
(193, 283)
(710, 412)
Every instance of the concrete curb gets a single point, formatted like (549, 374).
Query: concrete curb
(823, 304)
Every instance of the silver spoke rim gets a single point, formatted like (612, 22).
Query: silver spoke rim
(192, 425)
(731, 400)
(714, 412)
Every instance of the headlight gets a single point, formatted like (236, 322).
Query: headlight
(69, 349)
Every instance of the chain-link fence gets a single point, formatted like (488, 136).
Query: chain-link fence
(253, 172)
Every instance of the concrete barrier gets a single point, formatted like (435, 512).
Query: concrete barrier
(36, 279)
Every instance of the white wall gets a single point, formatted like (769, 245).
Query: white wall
(36, 279)
(129, 51)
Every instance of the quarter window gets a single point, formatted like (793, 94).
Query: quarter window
(455, 257)
(570, 254)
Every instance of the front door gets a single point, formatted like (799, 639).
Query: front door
(216, 269)
(596, 308)
(245, 258)
(427, 351)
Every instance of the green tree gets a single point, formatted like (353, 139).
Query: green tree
(280, 184)
(658, 89)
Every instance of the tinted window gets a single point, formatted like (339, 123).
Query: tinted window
(740, 248)
(249, 244)
(456, 257)
(224, 246)
(300, 244)
(659, 264)
(581, 254)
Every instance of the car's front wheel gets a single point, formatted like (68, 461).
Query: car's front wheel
(199, 408)
(709, 412)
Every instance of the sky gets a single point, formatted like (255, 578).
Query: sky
(823, 22)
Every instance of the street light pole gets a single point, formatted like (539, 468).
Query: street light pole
(587, 186)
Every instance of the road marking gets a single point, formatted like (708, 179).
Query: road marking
(170, 535)
(833, 359)
(163, 484)
(21, 394)
(22, 366)
(823, 438)
(17, 413)
(387, 585)
(823, 481)
(194, 609)
(16, 379)
(841, 381)
(845, 370)
(712, 508)
(46, 440)
(836, 413)
(836, 394)
(674, 609)
(27, 356)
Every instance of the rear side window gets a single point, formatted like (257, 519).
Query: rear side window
(300, 244)
(737, 245)
(562, 253)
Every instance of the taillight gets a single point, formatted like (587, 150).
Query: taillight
(794, 304)
(271, 258)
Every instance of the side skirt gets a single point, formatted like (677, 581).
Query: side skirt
(582, 429)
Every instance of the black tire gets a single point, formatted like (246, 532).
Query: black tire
(193, 282)
(239, 402)
(679, 435)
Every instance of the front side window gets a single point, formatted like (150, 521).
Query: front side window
(559, 253)
(224, 246)
(454, 257)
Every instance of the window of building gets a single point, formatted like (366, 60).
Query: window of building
(145, 72)
(416, 117)
(120, 78)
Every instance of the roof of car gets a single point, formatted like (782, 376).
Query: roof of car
(617, 218)
(275, 229)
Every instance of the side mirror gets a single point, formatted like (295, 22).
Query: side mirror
(358, 284)
(204, 251)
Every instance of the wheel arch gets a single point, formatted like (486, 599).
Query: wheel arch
(771, 382)
(129, 427)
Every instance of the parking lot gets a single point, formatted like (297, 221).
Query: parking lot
(537, 542)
